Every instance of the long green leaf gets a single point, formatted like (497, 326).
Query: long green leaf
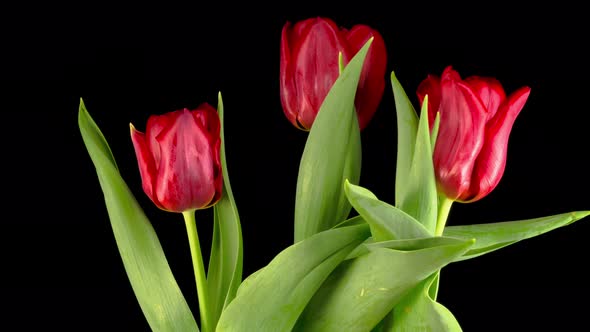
(415, 244)
(273, 298)
(319, 201)
(493, 236)
(418, 312)
(420, 198)
(387, 222)
(407, 128)
(155, 288)
(352, 168)
(225, 264)
(362, 291)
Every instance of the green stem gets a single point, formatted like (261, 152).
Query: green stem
(443, 213)
(199, 268)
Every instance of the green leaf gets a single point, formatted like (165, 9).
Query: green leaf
(362, 291)
(273, 298)
(352, 168)
(404, 245)
(387, 222)
(225, 264)
(434, 133)
(92, 135)
(155, 288)
(493, 236)
(332, 150)
(407, 128)
(420, 312)
(415, 244)
(421, 198)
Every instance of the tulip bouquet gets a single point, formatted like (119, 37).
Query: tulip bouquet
(357, 263)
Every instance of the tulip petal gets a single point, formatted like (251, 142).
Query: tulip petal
(155, 125)
(145, 161)
(208, 120)
(218, 175)
(431, 87)
(372, 80)
(490, 93)
(287, 82)
(315, 61)
(185, 172)
(206, 116)
(490, 164)
(460, 136)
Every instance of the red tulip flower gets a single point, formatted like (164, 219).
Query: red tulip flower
(178, 158)
(309, 68)
(476, 118)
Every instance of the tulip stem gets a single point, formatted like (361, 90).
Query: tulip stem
(444, 207)
(199, 269)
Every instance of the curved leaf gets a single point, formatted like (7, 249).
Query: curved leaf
(328, 155)
(273, 298)
(493, 236)
(155, 288)
(418, 312)
(362, 291)
(387, 222)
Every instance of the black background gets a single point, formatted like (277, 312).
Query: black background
(60, 265)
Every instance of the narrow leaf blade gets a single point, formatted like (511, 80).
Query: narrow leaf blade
(493, 236)
(226, 261)
(421, 198)
(320, 202)
(155, 288)
(407, 127)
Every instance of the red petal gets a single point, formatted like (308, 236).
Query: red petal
(460, 136)
(490, 92)
(207, 117)
(185, 174)
(491, 162)
(155, 125)
(145, 162)
(372, 80)
(218, 179)
(315, 58)
(431, 87)
(288, 90)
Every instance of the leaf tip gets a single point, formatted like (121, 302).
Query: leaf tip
(82, 113)
(425, 102)
(577, 215)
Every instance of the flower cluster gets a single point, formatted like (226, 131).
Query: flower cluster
(376, 271)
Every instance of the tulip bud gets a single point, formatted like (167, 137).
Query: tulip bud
(309, 68)
(178, 158)
(476, 118)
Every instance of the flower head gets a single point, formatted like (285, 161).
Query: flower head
(476, 118)
(178, 158)
(309, 68)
